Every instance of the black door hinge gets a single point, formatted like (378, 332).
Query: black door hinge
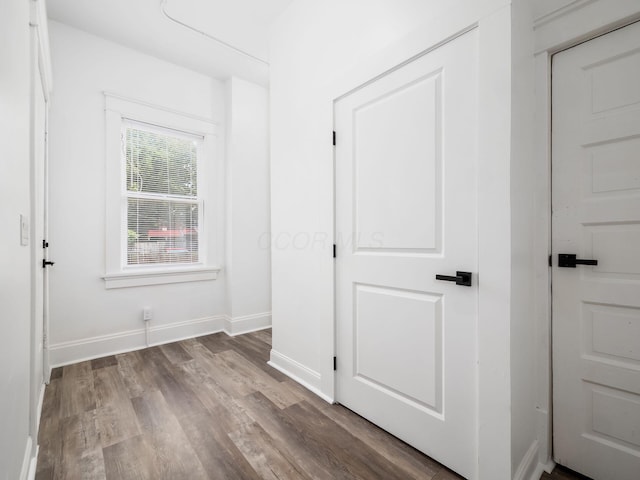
(334, 250)
(335, 363)
(334, 138)
(550, 260)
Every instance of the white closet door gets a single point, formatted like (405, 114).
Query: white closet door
(596, 216)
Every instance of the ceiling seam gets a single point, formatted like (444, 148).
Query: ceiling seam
(163, 6)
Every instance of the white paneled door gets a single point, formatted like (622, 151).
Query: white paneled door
(406, 211)
(596, 218)
(39, 356)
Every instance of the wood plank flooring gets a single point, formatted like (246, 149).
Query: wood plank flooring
(562, 473)
(209, 408)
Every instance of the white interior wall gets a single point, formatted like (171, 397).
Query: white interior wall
(312, 44)
(248, 258)
(312, 47)
(15, 260)
(524, 256)
(86, 319)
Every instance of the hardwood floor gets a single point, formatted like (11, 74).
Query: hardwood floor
(562, 473)
(209, 408)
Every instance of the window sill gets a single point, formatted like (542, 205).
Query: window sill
(141, 278)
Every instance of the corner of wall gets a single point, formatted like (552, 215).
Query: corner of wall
(305, 376)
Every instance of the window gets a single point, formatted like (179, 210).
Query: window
(158, 191)
(161, 190)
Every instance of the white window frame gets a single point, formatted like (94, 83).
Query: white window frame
(118, 274)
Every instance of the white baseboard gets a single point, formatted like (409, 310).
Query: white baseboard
(67, 353)
(33, 465)
(26, 460)
(174, 332)
(247, 323)
(530, 468)
(40, 403)
(310, 379)
(545, 467)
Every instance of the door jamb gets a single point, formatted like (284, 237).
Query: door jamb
(620, 18)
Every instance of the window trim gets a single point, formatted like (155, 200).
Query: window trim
(118, 110)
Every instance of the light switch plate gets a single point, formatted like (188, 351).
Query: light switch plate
(24, 230)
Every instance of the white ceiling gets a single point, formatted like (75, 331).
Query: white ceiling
(180, 31)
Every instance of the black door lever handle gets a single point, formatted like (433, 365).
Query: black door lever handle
(568, 260)
(461, 278)
(45, 263)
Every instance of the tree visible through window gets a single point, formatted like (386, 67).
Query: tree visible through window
(164, 212)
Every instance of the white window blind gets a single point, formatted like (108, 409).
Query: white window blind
(164, 217)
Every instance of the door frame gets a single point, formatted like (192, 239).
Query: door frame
(40, 63)
(493, 394)
(568, 26)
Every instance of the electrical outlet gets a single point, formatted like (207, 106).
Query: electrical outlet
(24, 230)
(146, 314)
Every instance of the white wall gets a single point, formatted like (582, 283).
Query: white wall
(524, 255)
(84, 66)
(248, 258)
(15, 260)
(313, 47)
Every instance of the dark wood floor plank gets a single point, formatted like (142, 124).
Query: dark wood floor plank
(343, 447)
(218, 402)
(217, 453)
(231, 381)
(178, 394)
(413, 463)
(303, 393)
(51, 400)
(215, 343)
(259, 450)
(77, 393)
(256, 352)
(257, 379)
(50, 446)
(116, 419)
(134, 373)
(563, 473)
(104, 362)
(173, 455)
(45, 474)
(49, 434)
(131, 459)
(264, 336)
(175, 353)
(445, 474)
(203, 386)
(290, 440)
(81, 450)
(222, 390)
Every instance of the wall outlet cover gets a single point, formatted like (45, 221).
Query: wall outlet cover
(24, 230)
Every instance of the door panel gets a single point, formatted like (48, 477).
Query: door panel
(406, 202)
(419, 331)
(417, 129)
(596, 215)
(38, 214)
